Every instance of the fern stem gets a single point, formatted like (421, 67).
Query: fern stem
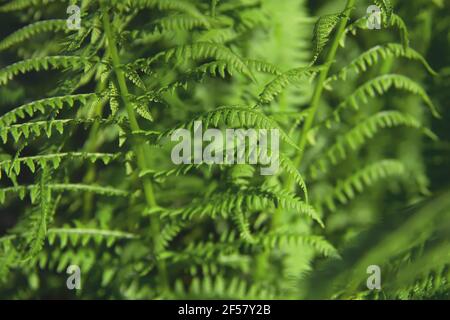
(140, 148)
(315, 101)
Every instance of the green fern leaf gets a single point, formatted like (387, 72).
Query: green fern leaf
(46, 63)
(365, 130)
(346, 190)
(380, 86)
(379, 53)
(32, 30)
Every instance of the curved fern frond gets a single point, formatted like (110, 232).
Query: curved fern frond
(379, 53)
(380, 86)
(365, 130)
(322, 31)
(277, 85)
(46, 63)
(387, 10)
(347, 189)
(292, 171)
(32, 30)
(55, 103)
(398, 23)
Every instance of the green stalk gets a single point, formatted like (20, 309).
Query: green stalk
(140, 148)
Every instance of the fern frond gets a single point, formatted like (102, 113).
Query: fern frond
(347, 189)
(379, 86)
(32, 30)
(38, 128)
(379, 53)
(33, 190)
(277, 85)
(262, 66)
(15, 5)
(365, 130)
(398, 23)
(83, 236)
(253, 199)
(206, 50)
(322, 31)
(243, 225)
(181, 22)
(221, 35)
(34, 240)
(280, 239)
(292, 171)
(42, 106)
(236, 117)
(46, 63)
(12, 167)
(387, 10)
(162, 5)
(220, 287)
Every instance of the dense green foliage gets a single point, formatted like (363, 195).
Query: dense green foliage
(86, 176)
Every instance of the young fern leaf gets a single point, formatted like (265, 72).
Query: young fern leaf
(347, 189)
(46, 63)
(365, 130)
(396, 22)
(387, 10)
(380, 86)
(377, 54)
(293, 76)
(32, 30)
(322, 31)
(113, 96)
